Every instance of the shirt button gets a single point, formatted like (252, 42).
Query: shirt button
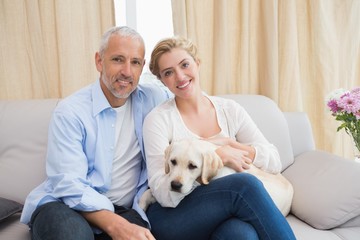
(112, 125)
(111, 148)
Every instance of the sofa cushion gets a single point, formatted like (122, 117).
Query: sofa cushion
(8, 208)
(13, 229)
(326, 189)
(23, 141)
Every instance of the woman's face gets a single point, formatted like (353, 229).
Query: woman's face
(179, 72)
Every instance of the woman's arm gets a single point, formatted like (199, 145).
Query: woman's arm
(267, 156)
(245, 143)
(157, 134)
(234, 154)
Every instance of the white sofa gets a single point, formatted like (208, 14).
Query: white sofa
(326, 202)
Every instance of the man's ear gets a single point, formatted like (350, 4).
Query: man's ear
(211, 164)
(167, 156)
(98, 62)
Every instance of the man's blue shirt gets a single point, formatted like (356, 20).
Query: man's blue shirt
(81, 144)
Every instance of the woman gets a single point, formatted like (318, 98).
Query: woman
(232, 207)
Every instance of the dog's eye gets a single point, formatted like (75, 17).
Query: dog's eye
(173, 162)
(192, 166)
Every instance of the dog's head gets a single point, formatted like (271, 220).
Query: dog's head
(188, 160)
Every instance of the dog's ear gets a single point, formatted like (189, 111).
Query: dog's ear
(167, 156)
(211, 163)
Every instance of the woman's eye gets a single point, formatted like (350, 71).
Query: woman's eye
(185, 65)
(167, 73)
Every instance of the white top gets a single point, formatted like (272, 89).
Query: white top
(127, 159)
(164, 125)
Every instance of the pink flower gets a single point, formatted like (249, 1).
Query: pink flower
(349, 103)
(345, 107)
(333, 105)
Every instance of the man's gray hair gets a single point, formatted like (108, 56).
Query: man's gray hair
(122, 31)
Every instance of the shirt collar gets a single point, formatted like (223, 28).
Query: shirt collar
(100, 103)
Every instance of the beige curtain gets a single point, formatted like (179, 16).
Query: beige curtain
(47, 47)
(293, 51)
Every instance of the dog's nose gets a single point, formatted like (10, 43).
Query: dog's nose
(175, 185)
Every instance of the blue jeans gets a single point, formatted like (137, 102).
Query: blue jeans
(233, 207)
(56, 221)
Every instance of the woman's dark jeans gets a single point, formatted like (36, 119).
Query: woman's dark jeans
(233, 207)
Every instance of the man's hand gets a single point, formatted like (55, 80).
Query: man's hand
(117, 227)
(130, 231)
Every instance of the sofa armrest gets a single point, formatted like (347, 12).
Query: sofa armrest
(300, 130)
(326, 189)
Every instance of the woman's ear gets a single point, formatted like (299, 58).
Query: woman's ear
(198, 62)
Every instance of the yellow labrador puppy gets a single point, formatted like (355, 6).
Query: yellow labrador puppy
(190, 160)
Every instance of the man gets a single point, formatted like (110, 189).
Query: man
(95, 160)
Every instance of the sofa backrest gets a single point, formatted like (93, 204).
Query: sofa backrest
(270, 120)
(24, 128)
(23, 142)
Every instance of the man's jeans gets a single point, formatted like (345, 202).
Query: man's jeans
(233, 207)
(55, 220)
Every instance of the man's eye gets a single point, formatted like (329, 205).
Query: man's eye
(173, 162)
(136, 62)
(117, 59)
(185, 65)
(192, 166)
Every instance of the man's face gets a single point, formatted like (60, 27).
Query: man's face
(120, 68)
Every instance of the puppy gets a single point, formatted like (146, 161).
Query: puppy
(190, 160)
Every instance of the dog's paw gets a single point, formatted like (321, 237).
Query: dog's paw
(146, 199)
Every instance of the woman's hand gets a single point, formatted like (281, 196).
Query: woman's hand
(235, 155)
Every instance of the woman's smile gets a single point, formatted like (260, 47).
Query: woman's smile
(184, 85)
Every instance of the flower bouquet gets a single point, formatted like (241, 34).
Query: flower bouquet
(345, 107)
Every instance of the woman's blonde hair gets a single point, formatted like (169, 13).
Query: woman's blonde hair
(166, 45)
